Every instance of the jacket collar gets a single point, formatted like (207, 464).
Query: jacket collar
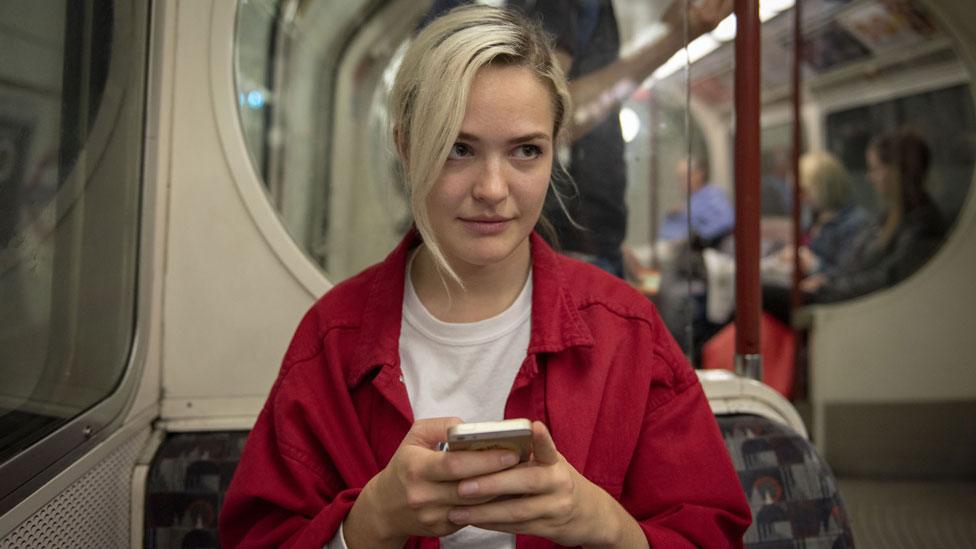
(556, 321)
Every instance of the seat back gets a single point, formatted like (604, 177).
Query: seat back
(187, 481)
(792, 492)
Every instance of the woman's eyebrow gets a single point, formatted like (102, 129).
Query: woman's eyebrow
(518, 139)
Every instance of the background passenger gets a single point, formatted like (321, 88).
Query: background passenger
(588, 48)
(712, 214)
(837, 219)
(910, 227)
(626, 450)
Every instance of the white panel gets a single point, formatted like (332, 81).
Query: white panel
(908, 343)
(231, 301)
(162, 38)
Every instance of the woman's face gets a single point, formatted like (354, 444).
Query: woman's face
(878, 173)
(490, 192)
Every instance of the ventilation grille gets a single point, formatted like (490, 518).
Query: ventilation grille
(92, 512)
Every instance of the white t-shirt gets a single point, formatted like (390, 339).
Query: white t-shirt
(464, 370)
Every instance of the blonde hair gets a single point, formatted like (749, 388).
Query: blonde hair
(825, 180)
(430, 93)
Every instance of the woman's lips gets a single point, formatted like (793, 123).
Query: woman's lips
(486, 227)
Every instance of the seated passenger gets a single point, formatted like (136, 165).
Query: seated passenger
(474, 316)
(837, 219)
(909, 230)
(712, 215)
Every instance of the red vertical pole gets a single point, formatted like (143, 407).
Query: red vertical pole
(797, 297)
(747, 290)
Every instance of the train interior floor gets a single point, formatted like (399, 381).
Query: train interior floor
(892, 514)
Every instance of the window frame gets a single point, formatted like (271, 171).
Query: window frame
(24, 473)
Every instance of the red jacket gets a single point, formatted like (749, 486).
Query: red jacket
(601, 372)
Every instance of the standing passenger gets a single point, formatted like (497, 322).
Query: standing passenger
(473, 317)
(600, 80)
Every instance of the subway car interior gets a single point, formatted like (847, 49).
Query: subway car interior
(180, 180)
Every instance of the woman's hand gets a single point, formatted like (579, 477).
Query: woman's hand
(556, 502)
(413, 494)
(813, 283)
(809, 262)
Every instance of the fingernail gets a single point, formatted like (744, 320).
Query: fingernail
(458, 516)
(509, 459)
(468, 488)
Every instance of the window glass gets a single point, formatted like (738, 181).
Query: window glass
(905, 145)
(311, 81)
(942, 116)
(71, 119)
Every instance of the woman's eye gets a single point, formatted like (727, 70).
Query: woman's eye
(459, 150)
(528, 151)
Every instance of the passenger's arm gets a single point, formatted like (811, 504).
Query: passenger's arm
(681, 486)
(600, 93)
(909, 251)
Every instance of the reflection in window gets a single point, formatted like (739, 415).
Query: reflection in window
(70, 166)
(943, 119)
(912, 163)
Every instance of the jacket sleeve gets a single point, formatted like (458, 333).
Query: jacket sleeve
(681, 485)
(287, 490)
(278, 498)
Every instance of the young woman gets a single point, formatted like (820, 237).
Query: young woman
(474, 317)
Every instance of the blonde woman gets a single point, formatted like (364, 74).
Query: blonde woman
(838, 220)
(474, 317)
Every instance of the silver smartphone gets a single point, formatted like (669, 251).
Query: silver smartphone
(510, 434)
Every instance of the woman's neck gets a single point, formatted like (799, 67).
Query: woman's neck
(488, 290)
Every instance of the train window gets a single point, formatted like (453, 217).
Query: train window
(311, 81)
(905, 143)
(943, 116)
(71, 118)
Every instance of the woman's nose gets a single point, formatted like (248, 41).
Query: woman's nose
(491, 185)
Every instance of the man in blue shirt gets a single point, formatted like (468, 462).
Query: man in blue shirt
(712, 215)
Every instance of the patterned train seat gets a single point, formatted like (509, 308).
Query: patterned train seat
(794, 498)
(187, 482)
(792, 492)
